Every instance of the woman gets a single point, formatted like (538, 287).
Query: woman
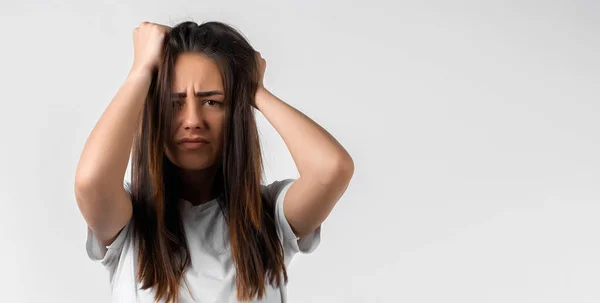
(195, 224)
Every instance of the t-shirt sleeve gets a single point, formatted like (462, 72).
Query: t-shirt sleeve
(291, 243)
(107, 255)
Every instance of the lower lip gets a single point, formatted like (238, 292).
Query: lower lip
(193, 145)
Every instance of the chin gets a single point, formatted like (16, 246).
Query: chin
(194, 163)
(191, 161)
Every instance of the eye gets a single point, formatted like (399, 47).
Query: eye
(214, 103)
(177, 103)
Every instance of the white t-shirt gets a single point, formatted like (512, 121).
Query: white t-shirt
(211, 276)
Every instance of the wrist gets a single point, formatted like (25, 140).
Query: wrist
(142, 70)
(261, 95)
(139, 76)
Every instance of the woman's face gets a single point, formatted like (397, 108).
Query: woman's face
(199, 111)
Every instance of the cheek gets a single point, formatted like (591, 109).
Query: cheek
(219, 137)
(216, 124)
(171, 147)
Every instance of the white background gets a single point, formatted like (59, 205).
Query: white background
(473, 126)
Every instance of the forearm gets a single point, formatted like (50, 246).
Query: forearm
(105, 156)
(316, 153)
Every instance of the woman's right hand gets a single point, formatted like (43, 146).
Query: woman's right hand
(148, 41)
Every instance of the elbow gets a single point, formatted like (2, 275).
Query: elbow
(347, 167)
(340, 170)
(343, 167)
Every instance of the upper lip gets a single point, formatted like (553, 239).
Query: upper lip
(192, 139)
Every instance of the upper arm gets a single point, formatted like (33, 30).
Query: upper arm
(105, 211)
(309, 201)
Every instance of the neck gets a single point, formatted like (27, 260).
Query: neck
(197, 186)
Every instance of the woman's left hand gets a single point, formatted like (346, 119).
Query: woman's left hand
(262, 65)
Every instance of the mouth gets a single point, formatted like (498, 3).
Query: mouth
(192, 145)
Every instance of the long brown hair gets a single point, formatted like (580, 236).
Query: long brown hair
(163, 255)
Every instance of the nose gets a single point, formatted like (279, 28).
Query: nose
(193, 116)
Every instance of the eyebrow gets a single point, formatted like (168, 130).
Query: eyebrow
(197, 94)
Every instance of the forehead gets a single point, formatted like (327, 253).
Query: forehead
(196, 71)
